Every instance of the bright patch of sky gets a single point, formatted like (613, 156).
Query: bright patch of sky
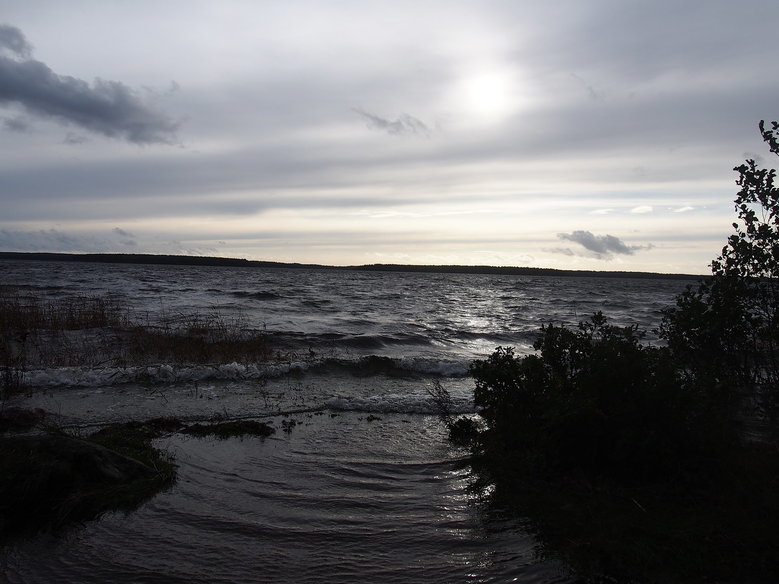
(597, 135)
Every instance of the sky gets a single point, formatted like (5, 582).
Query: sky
(598, 135)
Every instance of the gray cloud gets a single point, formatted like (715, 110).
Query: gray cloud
(127, 238)
(56, 240)
(71, 138)
(12, 39)
(122, 232)
(562, 250)
(405, 124)
(48, 240)
(594, 93)
(16, 124)
(599, 246)
(106, 107)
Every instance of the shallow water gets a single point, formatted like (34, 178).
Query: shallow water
(338, 499)
(343, 496)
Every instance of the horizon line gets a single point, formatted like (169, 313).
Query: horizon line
(182, 259)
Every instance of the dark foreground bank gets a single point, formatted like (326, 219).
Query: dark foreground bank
(51, 478)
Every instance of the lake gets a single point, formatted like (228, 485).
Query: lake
(359, 483)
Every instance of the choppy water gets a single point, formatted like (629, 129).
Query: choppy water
(344, 496)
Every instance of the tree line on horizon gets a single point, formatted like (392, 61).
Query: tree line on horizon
(186, 260)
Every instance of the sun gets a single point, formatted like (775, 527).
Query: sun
(486, 96)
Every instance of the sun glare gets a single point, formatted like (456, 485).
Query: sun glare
(487, 96)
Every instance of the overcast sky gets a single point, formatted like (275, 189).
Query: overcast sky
(566, 134)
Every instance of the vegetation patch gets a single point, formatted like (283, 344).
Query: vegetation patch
(716, 528)
(97, 331)
(22, 312)
(51, 481)
(235, 428)
(623, 468)
(134, 439)
(14, 419)
(196, 346)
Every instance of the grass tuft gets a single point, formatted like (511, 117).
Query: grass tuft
(96, 331)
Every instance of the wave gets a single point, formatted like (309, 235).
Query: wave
(320, 303)
(398, 366)
(168, 374)
(366, 341)
(163, 374)
(496, 337)
(417, 402)
(262, 295)
(349, 340)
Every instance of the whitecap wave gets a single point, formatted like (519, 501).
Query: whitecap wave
(409, 403)
(167, 373)
(444, 368)
(164, 374)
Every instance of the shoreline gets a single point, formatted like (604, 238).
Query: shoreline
(184, 260)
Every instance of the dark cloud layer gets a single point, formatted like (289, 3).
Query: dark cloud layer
(16, 125)
(12, 39)
(599, 246)
(106, 107)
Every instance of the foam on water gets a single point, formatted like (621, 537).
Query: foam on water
(416, 402)
(164, 374)
(167, 374)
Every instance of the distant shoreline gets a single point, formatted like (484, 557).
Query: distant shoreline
(183, 260)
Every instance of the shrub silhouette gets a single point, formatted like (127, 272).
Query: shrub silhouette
(594, 400)
(726, 331)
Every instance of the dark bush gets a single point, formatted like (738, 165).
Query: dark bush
(230, 429)
(463, 431)
(594, 400)
(726, 330)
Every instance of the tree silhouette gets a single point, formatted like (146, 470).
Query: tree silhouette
(726, 331)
